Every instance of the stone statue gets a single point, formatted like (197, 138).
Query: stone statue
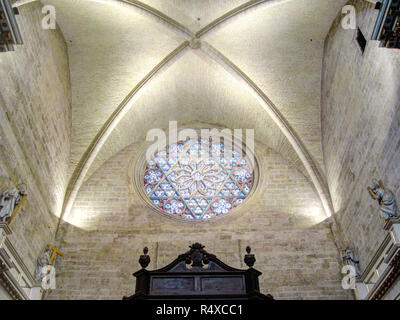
(386, 200)
(350, 258)
(9, 200)
(42, 262)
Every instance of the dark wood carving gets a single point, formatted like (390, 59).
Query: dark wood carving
(200, 275)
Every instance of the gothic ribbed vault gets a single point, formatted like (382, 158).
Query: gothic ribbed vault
(136, 65)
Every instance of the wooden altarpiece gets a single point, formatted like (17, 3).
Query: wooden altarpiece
(207, 278)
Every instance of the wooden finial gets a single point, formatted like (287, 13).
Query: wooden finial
(144, 259)
(249, 259)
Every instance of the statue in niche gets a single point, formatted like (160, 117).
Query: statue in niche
(386, 200)
(9, 200)
(350, 258)
(42, 262)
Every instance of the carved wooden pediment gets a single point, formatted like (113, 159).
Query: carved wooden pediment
(197, 274)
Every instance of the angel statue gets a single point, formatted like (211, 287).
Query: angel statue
(386, 200)
(42, 262)
(9, 200)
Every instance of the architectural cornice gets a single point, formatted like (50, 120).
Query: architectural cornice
(383, 270)
(7, 284)
(390, 278)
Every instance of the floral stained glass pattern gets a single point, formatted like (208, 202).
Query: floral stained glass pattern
(196, 179)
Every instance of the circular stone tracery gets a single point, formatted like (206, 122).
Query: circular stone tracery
(197, 180)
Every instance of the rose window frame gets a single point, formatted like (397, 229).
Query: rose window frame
(184, 207)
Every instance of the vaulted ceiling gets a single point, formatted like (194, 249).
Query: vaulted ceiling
(136, 65)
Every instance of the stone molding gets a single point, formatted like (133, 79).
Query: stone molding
(384, 268)
(15, 277)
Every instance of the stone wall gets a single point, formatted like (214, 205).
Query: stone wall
(35, 120)
(360, 127)
(110, 225)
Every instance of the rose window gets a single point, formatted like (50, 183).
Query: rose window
(197, 179)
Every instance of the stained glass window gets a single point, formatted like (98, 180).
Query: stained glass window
(194, 180)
